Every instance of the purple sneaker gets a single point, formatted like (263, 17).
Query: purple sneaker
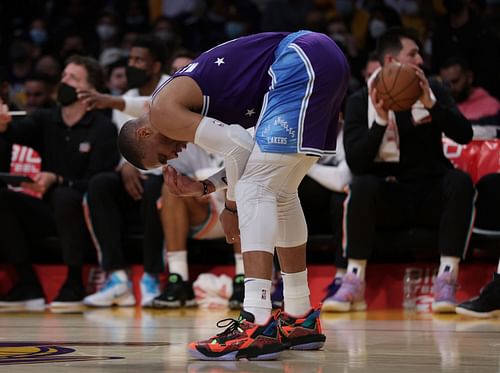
(445, 288)
(349, 297)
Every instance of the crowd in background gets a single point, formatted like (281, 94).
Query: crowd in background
(37, 36)
(459, 42)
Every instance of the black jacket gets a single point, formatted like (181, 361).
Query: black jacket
(77, 152)
(421, 149)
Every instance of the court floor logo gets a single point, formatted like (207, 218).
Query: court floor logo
(12, 353)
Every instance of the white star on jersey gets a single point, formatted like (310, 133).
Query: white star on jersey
(250, 112)
(220, 61)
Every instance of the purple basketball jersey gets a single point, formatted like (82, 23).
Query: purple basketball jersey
(234, 77)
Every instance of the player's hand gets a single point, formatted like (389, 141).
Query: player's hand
(96, 100)
(41, 182)
(181, 185)
(132, 180)
(230, 224)
(5, 117)
(425, 98)
(378, 104)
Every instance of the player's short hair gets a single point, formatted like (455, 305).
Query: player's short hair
(390, 41)
(128, 143)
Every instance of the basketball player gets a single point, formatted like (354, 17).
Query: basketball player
(401, 178)
(290, 86)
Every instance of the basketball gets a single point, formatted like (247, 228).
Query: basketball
(398, 85)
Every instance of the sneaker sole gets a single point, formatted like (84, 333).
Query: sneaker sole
(65, 304)
(32, 303)
(175, 304)
(121, 301)
(232, 356)
(481, 315)
(443, 307)
(149, 302)
(335, 306)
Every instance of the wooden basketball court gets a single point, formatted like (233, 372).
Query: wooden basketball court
(137, 340)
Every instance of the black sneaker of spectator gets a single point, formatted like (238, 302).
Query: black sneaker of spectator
(178, 293)
(236, 300)
(70, 295)
(487, 304)
(25, 294)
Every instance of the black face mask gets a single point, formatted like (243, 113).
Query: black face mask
(463, 95)
(136, 77)
(66, 94)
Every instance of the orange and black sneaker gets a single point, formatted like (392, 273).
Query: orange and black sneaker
(301, 333)
(243, 339)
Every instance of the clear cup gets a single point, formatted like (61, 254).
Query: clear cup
(411, 283)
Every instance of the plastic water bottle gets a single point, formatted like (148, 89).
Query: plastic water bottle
(411, 283)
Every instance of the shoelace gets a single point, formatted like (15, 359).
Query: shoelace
(232, 326)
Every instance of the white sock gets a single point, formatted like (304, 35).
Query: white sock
(358, 267)
(258, 299)
(498, 269)
(296, 293)
(121, 274)
(449, 264)
(177, 263)
(238, 263)
(340, 272)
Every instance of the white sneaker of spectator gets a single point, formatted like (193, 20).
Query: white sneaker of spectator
(150, 289)
(117, 291)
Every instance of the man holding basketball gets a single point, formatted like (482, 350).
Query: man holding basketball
(291, 87)
(401, 178)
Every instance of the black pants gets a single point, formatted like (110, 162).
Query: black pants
(112, 211)
(488, 202)
(5, 155)
(24, 218)
(444, 203)
(323, 210)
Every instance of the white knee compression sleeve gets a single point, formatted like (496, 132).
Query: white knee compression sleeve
(231, 141)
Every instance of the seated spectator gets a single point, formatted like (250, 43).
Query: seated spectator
(487, 304)
(117, 77)
(39, 90)
(464, 32)
(128, 192)
(74, 144)
(5, 146)
(49, 65)
(475, 103)
(332, 173)
(196, 218)
(401, 177)
(180, 59)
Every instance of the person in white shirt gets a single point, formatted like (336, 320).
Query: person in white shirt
(115, 198)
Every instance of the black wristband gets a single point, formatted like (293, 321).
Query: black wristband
(205, 187)
(230, 209)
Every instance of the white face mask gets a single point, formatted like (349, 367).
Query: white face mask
(377, 28)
